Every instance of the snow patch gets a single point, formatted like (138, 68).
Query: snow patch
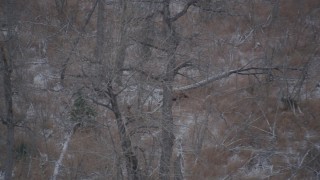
(234, 158)
(30, 112)
(184, 123)
(40, 81)
(310, 134)
(47, 133)
(58, 87)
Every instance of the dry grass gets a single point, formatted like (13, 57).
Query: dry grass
(254, 138)
(235, 128)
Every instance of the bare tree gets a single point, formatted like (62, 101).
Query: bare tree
(167, 133)
(7, 55)
(109, 93)
(8, 121)
(146, 64)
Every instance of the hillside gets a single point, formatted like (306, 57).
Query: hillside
(168, 89)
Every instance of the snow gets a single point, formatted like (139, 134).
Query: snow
(58, 87)
(40, 81)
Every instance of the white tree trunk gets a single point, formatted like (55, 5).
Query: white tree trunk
(63, 151)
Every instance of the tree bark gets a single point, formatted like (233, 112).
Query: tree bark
(173, 40)
(130, 157)
(167, 135)
(101, 28)
(178, 175)
(122, 42)
(6, 57)
(145, 53)
(63, 151)
(9, 110)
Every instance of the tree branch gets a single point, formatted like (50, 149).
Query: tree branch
(240, 71)
(182, 65)
(183, 11)
(205, 81)
(77, 40)
(144, 73)
(149, 45)
(101, 104)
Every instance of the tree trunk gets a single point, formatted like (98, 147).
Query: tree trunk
(7, 50)
(178, 175)
(63, 151)
(130, 157)
(145, 52)
(122, 42)
(167, 136)
(9, 160)
(101, 27)
(9, 112)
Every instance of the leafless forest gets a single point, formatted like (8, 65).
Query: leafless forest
(160, 89)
